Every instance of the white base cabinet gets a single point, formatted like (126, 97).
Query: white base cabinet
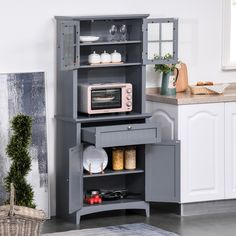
(207, 133)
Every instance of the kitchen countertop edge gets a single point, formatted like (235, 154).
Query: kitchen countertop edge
(185, 98)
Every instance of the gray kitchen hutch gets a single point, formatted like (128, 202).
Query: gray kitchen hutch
(75, 130)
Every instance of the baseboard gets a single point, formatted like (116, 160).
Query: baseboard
(211, 207)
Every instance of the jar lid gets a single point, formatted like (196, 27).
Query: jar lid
(118, 148)
(130, 147)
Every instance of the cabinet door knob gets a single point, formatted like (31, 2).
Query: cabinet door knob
(129, 127)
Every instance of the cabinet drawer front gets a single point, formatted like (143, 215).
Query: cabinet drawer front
(121, 135)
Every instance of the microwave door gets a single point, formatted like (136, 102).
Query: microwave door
(106, 98)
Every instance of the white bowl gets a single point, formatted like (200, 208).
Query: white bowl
(86, 39)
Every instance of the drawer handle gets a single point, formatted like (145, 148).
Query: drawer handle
(129, 127)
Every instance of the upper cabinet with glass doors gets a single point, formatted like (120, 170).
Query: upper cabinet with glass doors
(138, 39)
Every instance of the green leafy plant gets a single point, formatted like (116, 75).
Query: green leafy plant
(166, 68)
(17, 151)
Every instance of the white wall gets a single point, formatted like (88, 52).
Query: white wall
(27, 40)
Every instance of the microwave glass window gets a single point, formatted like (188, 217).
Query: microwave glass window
(106, 98)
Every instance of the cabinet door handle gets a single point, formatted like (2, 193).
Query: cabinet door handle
(129, 127)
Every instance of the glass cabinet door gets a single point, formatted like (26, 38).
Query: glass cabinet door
(160, 42)
(69, 45)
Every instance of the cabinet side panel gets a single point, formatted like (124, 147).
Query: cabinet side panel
(66, 82)
(167, 116)
(66, 94)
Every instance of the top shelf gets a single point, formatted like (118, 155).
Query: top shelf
(110, 43)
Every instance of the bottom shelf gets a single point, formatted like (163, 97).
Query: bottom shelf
(128, 203)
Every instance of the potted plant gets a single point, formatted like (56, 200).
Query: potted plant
(168, 75)
(22, 218)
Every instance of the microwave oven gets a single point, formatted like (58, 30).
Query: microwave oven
(104, 98)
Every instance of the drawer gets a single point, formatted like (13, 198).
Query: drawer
(122, 135)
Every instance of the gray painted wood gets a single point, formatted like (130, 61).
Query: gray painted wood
(69, 45)
(66, 138)
(111, 43)
(163, 172)
(75, 178)
(114, 205)
(106, 130)
(127, 64)
(103, 17)
(83, 118)
(160, 21)
(111, 172)
(121, 135)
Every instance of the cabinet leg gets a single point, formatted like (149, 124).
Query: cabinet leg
(147, 211)
(78, 216)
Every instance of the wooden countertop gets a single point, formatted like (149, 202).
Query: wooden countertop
(153, 95)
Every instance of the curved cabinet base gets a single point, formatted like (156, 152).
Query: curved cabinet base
(113, 205)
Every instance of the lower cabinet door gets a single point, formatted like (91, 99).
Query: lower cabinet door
(75, 178)
(162, 172)
(201, 131)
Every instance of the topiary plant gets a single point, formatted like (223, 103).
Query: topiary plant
(17, 151)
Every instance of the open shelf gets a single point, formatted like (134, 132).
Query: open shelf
(120, 201)
(87, 66)
(128, 203)
(112, 116)
(112, 172)
(106, 117)
(110, 43)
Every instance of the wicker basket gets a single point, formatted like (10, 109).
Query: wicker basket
(18, 220)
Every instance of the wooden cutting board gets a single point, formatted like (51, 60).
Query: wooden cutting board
(182, 81)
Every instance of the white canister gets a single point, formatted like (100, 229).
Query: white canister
(105, 57)
(94, 58)
(115, 57)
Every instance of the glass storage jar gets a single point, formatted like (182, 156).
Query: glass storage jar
(118, 158)
(130, 158)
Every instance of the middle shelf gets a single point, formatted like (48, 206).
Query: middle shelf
(87, 66)
(112, 172)
(110, 43)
